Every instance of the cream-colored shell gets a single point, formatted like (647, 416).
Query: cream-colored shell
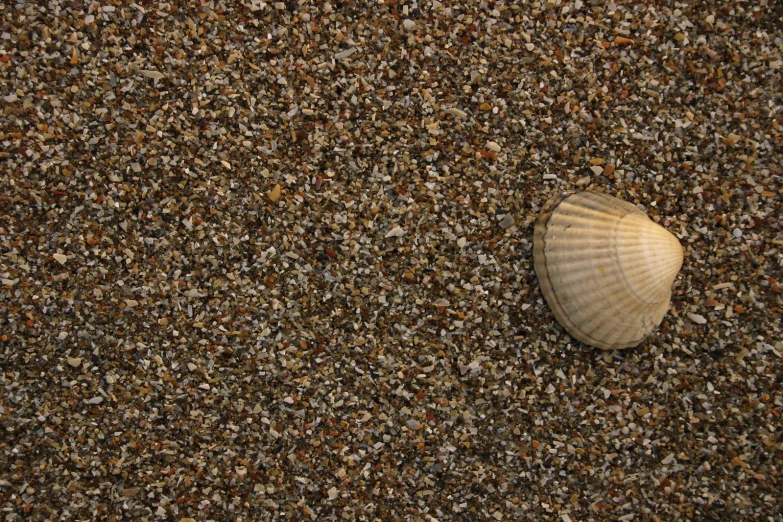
(605, 269)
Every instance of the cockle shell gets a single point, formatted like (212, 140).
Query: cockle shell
(605, 269)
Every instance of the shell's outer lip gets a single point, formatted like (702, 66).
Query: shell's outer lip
(628, 282)
(539, 234)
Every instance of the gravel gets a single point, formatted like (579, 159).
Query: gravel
(272, 261)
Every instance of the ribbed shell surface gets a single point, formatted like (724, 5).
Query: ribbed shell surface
(605, 268)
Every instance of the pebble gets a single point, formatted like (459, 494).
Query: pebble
(696, 318)
(395, 232)
(456, 112)
(155, 75)
(493, 146)
(344, 54)
(274, 194)
(507, 221)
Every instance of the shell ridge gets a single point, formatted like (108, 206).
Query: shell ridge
(557, 308)
(627, 271)
(588, 336)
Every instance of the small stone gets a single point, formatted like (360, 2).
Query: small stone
(395, 232)
(408, 24)
(60, 258)
(507, 221)
(696, 318)
(74, 361)
(493, 146)
(130, 492)
(154, 75)
(456, 112)
(344, 54)
(274, 194)
(461, 242)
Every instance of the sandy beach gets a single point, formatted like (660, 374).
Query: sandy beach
(273, 260)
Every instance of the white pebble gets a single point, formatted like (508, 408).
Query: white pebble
(395, 232)
(696, 318)
(345, 54)
(456, 112)
(152, 74)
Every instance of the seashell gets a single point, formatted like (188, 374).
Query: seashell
(605, 269)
